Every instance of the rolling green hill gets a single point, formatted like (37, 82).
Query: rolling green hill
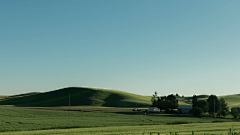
(3, 97)
(232, 100)
(96, 97)
(81, 97)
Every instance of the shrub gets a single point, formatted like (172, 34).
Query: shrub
(197, 111)
(235, 113)
(177, 122)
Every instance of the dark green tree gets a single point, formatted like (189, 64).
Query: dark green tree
(194, 101)
(197, 111)
(222, 113)
(154, 99)
(223, 108)
(235, 113)
(203, 104)
(164, 104)
(167, 102)
(213, 104)
(173, 100)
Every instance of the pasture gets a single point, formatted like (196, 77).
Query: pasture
(182, 129)
(99, 111)
(17, 119)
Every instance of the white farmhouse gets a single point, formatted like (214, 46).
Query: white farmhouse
(184, 108)
(153, 109)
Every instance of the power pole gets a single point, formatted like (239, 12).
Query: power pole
(69, 100)
(214, 109)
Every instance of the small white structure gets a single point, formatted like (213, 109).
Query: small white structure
(153, 109)
(184, 108)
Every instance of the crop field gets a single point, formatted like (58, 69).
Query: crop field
(182, 129)
(110, 113)
(17, 119)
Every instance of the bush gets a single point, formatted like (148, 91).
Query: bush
(177, 122)
(235, 113)
(197, 111)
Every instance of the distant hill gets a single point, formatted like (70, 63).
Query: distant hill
(25, 94)
(200, 97)
(3, 97)
(80, 97)
(232, 100)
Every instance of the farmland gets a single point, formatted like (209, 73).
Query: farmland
(100, 111)
(89, 122)
(35, 119)
(184, 129)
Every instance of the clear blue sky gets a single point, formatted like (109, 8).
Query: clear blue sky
(138, 46)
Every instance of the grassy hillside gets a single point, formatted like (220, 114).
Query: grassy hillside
(81, 97)
(232, 100)
(3, 97)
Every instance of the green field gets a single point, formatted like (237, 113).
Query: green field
(17, 119)
(36, 121)
(182, 129)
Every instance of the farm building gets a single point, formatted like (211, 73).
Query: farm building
(153, 109)
(184, 108)
(235, 108)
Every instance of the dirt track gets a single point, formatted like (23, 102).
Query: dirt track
(73, 109)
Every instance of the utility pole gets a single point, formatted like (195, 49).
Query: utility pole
(69, 100)
(214, 109)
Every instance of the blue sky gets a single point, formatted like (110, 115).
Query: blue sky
(186, 47)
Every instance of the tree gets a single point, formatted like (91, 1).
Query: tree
(197, 111)
(164, 104)
(153, 99)
(167, 102)
(235, 113)
(222, 113)
(223, 108)
(213, 104)
(194, 101)
(203, 104)
(173, 100)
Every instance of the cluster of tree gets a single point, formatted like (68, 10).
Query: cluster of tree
(169, 102)
(235, 113)
(212, 105)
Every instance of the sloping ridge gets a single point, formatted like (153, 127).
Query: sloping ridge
(25, 94)
(80, 97)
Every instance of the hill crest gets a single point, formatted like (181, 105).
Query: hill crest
(80, 96)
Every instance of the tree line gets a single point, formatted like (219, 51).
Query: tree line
(212, 105)
(169, 102)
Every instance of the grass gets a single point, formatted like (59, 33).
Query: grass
(3, 97)
(198, 128)
(16, 119)
(98, 97)
(81, 97)
(232, 100)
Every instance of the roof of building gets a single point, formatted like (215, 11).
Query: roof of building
(184, 107)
